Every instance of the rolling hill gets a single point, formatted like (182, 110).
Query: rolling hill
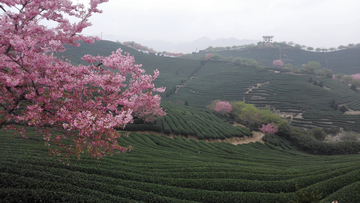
(161, 169)
(306, 105)
(346, 61)
(183, 169)
(172, 70)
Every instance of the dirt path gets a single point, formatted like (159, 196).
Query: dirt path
(258, 85)
(257, 137)
(352, 112)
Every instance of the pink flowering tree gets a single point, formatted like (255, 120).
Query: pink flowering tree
(356, 76)
(84, 103)
(269, 45)
(269, 128)
(223, 107)
(278, 63)
(138, 46)
(208, 56)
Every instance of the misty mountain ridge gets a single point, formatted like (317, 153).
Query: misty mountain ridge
(182, 47)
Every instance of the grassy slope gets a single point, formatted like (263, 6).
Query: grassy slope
(161, 169)
(343, 61)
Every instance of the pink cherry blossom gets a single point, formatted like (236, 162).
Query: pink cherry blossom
(223, 107)
(269, 128)
(208, 56)
(85, 102)
(278, 63)
(356, 76)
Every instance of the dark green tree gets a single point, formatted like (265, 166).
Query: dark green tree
(354, 88)
(318, 133)
(332, 103)
(343, 109)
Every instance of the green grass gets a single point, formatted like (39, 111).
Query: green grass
(161, 169)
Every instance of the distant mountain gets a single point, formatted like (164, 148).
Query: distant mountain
(184, 47)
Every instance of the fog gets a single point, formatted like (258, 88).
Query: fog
(316, 23)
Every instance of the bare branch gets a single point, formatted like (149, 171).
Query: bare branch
(2, 8)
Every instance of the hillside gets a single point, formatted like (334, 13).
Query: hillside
(182, 169)
(161, 169)
(172, 70)
(190, 122)
(345, 61)
(304, 103)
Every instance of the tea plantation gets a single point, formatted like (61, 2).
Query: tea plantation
(182, 169)
(344, 61)
(189, 121)
(284, 92)
(161, 169)
(202, 84)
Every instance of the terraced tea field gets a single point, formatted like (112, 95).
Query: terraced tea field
(309, 105)
(161, 169)
(189, 121)
(292, 94)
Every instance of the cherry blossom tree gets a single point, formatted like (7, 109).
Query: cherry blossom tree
(269, 128)
(83, 103)
(138, 46)
(208, 56)
(269, 45)
(356, 76)
(223, 107)
(278, 63)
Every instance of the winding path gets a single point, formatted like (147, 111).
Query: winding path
(257, 137)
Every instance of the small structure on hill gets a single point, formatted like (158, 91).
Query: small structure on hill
(267, 39)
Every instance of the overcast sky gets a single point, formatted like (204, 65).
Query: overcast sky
(316, 23)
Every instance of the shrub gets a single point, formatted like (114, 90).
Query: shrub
(343, 109)
(353, 88)
(350, 136)
(318, 133)
(304, 196)
(331, 130)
